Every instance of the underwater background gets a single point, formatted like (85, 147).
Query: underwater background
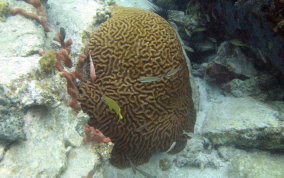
(210, 88)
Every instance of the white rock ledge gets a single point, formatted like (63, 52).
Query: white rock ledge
(244, 122)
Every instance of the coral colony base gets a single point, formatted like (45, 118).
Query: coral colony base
(142, 73)
(137, 89)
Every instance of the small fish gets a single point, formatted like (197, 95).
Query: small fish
(112, 105)
(90, 174)
(187, 48)
(237, 42)
(173, 71)
(205, 46)
(187, 32)
(149, 79)
(212, 39)
(214, 15)
(92, 70)
(62, 33)
(199, 29)
(134, 169)
(132, 165)
(142, 127)
(207, 18)
(171, 147)
(145, 174)
(261, 56)
(206, 142)
(193, 135)
(270, 45)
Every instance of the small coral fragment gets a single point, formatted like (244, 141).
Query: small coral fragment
(92, 134)
(62, 56)
(79, 68)
(47, 61)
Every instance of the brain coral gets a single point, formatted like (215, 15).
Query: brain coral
(130, 45)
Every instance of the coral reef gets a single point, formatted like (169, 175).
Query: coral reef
(40, 17)
(4, 9)
(230, 63)
(62, 56)
(52, 128)
(263, 87)
(92, 134)
(250, 22)
(244, 123)
(140, 65)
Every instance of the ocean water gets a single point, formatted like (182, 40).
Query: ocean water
(142, 88)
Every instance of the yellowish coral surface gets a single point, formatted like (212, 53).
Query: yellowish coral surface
(134, 44)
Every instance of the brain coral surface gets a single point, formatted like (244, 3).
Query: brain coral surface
(130, 45)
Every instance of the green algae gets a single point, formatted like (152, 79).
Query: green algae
(47, 61)
(4, 10)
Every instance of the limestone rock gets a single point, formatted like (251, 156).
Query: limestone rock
(2, 150)
(256, 164)
(39, 100)
(230, 63)
(11, 119)
(198, 154)
(81, 161)
(37, 96)
(13, 67)
(262, 87)
(244, 122)
(18, 41)
(80, 14)
(143, 4)
(42, 154)
(260, 165)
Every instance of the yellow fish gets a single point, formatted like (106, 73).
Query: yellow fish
(236, 42)
(199, 29)
(112, 105)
